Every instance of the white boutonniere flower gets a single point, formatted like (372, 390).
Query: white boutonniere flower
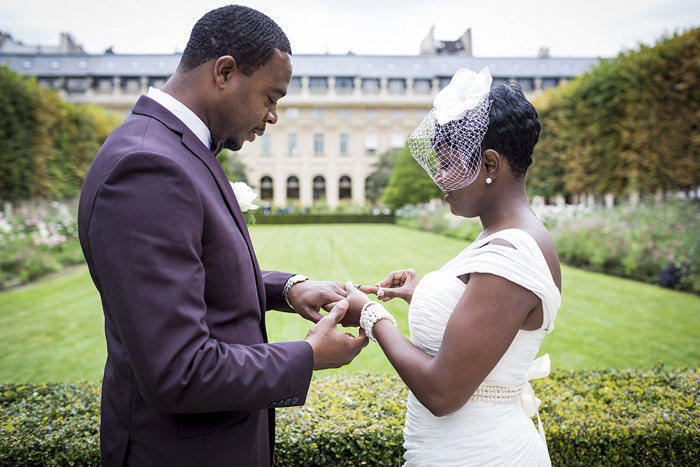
(245, 196)
(465, 91)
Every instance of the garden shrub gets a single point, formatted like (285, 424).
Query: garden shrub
(591, 418)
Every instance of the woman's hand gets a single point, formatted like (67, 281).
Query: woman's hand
(397, 284)
(356, 300)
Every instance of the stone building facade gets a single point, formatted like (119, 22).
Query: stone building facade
(341, 112)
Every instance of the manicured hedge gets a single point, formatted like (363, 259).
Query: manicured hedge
(324, 219)
(592, 418)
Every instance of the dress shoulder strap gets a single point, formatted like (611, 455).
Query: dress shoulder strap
(523, 264)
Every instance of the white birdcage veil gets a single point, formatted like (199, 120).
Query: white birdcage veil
(447, 143)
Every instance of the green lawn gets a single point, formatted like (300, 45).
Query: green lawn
(52, 330)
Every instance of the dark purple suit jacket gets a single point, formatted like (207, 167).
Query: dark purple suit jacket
(189, 379)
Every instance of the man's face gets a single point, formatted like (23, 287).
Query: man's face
(245, 109)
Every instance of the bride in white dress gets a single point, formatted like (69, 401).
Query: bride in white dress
(476, 323)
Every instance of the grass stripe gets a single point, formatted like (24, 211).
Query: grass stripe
(52, 330)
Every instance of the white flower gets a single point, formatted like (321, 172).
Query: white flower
(464, 92)
(245, 196)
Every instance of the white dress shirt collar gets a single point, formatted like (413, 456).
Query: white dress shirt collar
(181, 111)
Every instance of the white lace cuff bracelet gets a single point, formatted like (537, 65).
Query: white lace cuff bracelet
(371, 313)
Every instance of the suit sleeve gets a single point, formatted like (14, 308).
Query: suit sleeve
(145, 240)
(274, 285)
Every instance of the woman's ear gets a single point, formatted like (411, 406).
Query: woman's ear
(491, 162)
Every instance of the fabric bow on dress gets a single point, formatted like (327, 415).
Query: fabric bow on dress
(539, 368)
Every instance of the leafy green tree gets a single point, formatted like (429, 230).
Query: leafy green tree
(379, 178)
(46, 144)
(409, 183)
(546, 175)
(233, 166)
(629, 125)
(18, 124)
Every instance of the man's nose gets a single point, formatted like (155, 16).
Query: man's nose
(271, 116)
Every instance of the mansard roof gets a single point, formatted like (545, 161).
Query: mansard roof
(350, 65)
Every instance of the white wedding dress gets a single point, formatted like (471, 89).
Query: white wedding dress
(492, 428)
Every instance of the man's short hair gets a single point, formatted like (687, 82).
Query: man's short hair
(513, 127)
(247, 35)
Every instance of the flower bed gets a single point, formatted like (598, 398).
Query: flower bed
(37, 239)
(648, 243)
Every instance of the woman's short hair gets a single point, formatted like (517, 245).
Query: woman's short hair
(513, 127)
(247, 35)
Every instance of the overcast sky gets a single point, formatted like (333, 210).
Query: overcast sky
(517, 28)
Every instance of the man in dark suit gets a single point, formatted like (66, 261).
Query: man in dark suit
(190, 379)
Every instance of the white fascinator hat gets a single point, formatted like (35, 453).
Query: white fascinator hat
(447, 143)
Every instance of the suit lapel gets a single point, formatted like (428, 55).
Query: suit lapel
(147, 106)
(209, 159)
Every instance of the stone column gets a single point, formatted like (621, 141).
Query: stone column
(306, 193)
(332, 187)
(279, 190)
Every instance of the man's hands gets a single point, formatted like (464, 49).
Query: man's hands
(397, 284)
(308, 297)
(332, 348)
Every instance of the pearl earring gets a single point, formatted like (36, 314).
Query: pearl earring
(488, 180)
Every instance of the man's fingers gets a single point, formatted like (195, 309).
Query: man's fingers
(311, 314)
(338, 311)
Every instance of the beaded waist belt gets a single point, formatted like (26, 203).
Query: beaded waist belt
(522, 393)
(498, 394)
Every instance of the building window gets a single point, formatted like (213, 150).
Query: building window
(345, 84)
(55, 83)
(292, 146)
(549, 83)
(319, 187)
(295, 83)
(397, 141)
(497, 82)
(344, 144)
(422, 86)
(344, 113)
(130, 85)
(396, 85)
(266, 144)
(317, 113)
(444, 82)
(371, 113)
(370, 143)
(370, 85)
(318, 144)
(104, 85)
(318, 83)
(526, 84)
(292, 187)
(345, 188)
(396, 114)
(157, 81)
(266, 188)
(77, 85)
(292, 113)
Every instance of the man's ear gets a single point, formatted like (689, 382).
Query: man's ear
(225, 70)
(491, 162)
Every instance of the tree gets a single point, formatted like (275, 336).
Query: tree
(379, 178)
(409, 183)
(233, 166)
(18, 124)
